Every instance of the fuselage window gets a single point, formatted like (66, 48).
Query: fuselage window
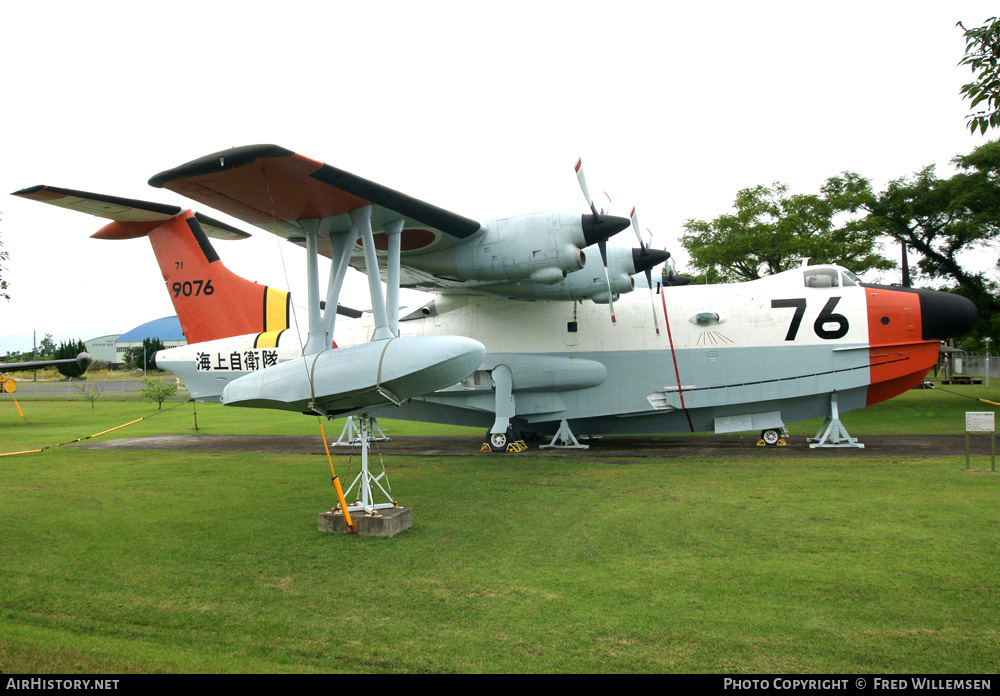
(851, 280)
(822, 278)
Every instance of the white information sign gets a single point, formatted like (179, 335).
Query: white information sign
(979, 422)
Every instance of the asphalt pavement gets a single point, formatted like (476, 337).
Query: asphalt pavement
(618, 447)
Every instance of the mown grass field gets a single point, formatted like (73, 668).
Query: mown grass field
(193, 562)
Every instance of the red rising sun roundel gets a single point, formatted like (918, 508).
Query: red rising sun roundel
(412, 239)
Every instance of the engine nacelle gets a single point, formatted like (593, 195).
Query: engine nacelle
(542, 247)
(589, 283)
(548, 276)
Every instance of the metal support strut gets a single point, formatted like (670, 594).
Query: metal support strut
(365, 481)
(833, 433)
(564, 439)
(349, 436)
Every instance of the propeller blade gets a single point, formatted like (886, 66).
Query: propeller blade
(652, 299)
(635, 226)
(603, 246)
(583, 186)
(607, 211)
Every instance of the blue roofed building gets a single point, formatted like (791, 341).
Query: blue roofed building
(167, 329)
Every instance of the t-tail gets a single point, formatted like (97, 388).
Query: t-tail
(211, 301)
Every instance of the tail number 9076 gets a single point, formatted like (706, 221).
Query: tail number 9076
(193, 288)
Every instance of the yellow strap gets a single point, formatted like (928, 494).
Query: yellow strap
(336, 485)
(104, 432)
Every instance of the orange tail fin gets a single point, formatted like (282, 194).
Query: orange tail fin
(210, 300)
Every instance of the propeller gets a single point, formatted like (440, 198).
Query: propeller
(602, 243)
(645, 252)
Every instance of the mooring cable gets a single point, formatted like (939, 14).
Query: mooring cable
(103, 432)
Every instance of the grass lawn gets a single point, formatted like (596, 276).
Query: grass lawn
(195, 562)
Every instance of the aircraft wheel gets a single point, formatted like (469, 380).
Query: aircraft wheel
(770, 437)
(498, 442)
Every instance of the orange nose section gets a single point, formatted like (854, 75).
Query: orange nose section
(905, 327)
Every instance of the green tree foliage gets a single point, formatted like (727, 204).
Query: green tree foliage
(135, 355)
(946, 221)
(46, 348)
(70, 349)
(772, 231)
(982, 55)
(158, 390)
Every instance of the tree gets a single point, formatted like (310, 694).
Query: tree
(982, 55)
(135, 355)
(772, 230)
(158, 390)
(70, 349)
(47, 348)
(945, 221)
(91, 392)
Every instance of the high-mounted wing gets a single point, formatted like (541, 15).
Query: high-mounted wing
(274, 188)
(425, 247)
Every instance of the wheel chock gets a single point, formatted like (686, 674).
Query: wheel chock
(514, 447)
(780, 443)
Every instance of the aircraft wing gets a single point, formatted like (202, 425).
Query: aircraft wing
(83, 360)
(274, 189)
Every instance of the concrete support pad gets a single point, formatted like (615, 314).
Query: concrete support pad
(387, 523)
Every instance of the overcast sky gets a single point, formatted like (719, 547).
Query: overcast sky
(480, 108)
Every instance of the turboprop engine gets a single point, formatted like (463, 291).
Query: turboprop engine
(542, 247)
(590, 283)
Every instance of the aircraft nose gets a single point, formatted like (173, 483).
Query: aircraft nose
(945, 315)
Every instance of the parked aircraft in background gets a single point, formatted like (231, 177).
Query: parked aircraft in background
(82, 359)
(518, 337)
(9, 386)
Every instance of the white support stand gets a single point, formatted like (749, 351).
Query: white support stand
(349, 435)
(367, 483)
(564, 439)
(833, 433)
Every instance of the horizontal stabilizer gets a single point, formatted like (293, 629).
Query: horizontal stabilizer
(124, 209)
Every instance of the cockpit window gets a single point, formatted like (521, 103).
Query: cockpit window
(822, 278)
(851, 280)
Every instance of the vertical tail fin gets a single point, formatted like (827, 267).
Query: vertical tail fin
(211, 301)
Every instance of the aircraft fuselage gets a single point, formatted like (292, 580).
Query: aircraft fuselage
(746, 356)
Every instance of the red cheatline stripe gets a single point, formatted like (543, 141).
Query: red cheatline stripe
(673, 354)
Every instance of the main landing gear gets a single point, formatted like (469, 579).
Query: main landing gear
(772, 437)
(507, 441)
